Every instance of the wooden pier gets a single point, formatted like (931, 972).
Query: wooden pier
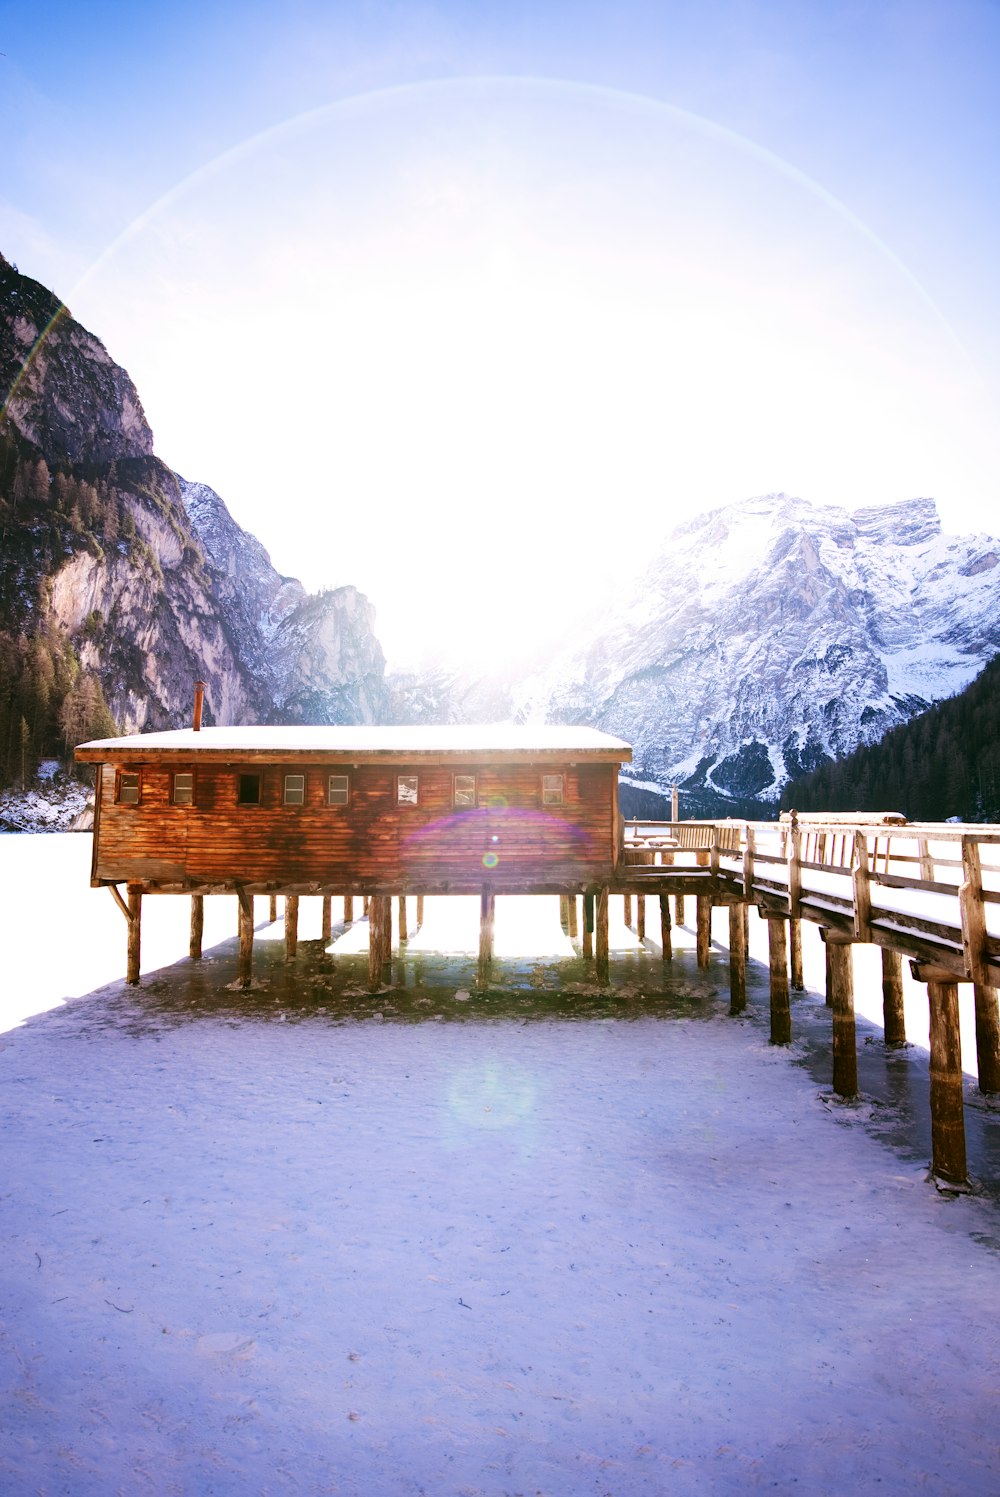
(384, 813)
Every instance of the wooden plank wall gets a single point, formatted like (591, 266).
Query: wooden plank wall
(509, 839)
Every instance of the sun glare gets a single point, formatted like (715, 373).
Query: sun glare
(476, 348)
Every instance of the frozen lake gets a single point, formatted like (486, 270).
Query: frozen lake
(545, 1239)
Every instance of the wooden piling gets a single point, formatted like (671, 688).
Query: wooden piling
(487, 919)
(245, 965)
(574, 918)
(829, 994)
(737, 958)
(404, 934)
(134, 934)
(777, 950)
(197, 925)
(420, 910)
(601, 934)
(272, 908)
(364, 904)
(564, 913)
(386, 929)
(627, 910)
(679, 908)
(376, 942)
(326, 934)
(291, 925)
(975, 941)
(348, 909)
(666, 944)
(640, 916)
(987, 1038)
(587, 939)
(845, 1043)
(893, 1016)
(947, 1103)
(795, 954)
(703, 929)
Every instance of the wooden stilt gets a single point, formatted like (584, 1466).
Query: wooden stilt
(245, 968)
(574, 918)
(487, 915)
(737, 959)
(795, 954)
(272, 908)
(291, 925)
(704, 928)
(588, 925)
(197, 925)
(403, 931)
(601, 935)
(845, 1044)
(327, 928)
(364, 904)
(640, 916)
(420, 910)
(348, 909)
(893, 1017)
(387, 942)
(987, 1038)
(666, 945)
(829, 995)
(947, 1104)
(679, 908)
(564, 913)
(627, 910)
(777, 950)
(376, 942)
(134, 934)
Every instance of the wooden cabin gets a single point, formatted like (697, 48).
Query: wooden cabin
(344, 810)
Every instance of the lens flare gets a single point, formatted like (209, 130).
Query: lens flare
(490, 859)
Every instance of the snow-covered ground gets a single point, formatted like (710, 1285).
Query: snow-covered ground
(545, 1239)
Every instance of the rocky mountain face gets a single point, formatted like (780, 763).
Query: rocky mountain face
(770, 636)
(118, 573)
(765, 639)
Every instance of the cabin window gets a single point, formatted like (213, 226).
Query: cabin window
(249, 790)
(295, 789)
(552, 789)
(465, 790)
(338, 790)
(183, 788)
(407, 789)
(128, 787)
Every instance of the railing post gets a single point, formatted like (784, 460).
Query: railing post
(794, 847)
(974, 940)
(748, 850)
(862, 889)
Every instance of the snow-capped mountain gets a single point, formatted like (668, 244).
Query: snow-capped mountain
(773, 634)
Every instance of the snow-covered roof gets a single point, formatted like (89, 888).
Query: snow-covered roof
(472, 741)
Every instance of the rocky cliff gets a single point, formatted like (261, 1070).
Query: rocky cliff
(773, 635)
(119, 573)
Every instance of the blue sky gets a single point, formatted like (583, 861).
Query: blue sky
(711, 249)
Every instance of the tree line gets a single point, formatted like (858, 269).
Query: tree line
(48, 701)
(943, 763)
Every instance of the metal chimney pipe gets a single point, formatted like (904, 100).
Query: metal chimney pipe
(199, 699)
